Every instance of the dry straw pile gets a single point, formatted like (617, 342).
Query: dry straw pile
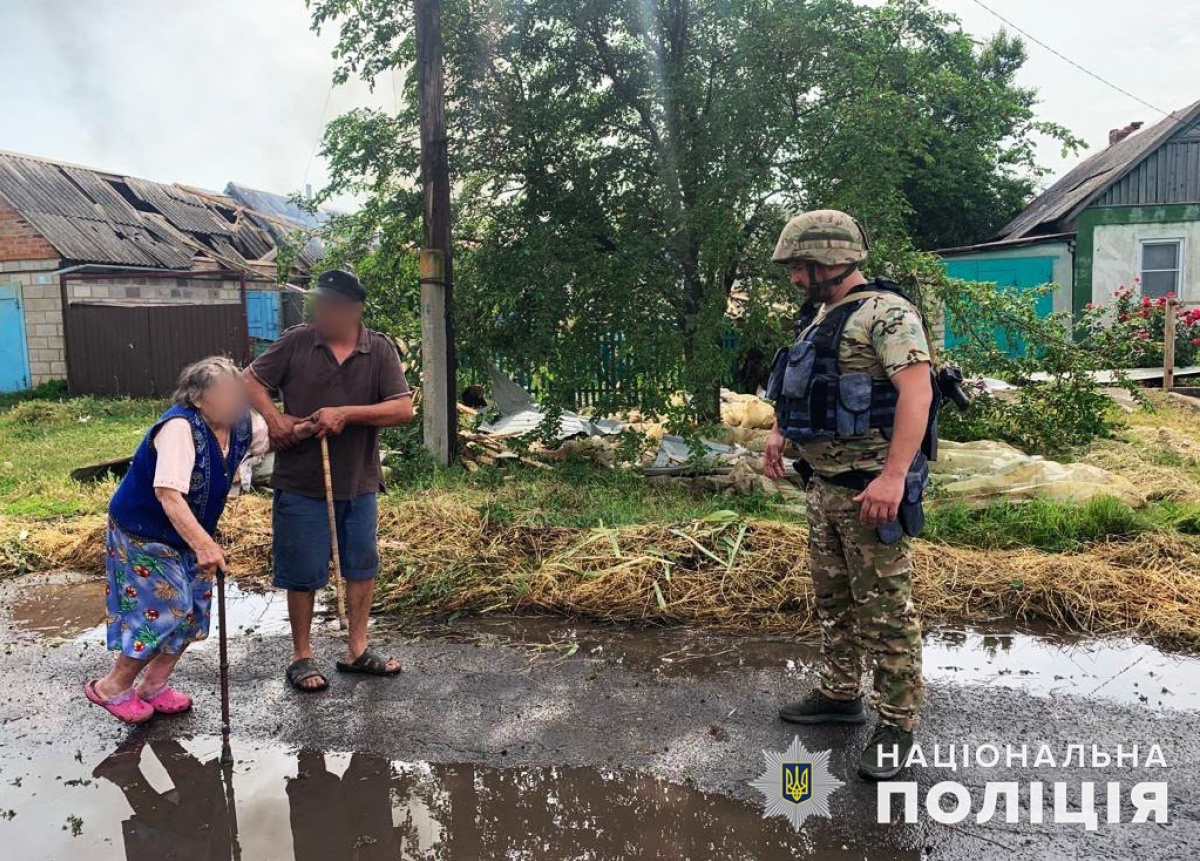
(440, 555)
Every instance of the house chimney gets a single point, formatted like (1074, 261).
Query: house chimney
(1117, 135)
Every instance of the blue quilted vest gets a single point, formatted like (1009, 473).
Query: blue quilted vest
(134, 506)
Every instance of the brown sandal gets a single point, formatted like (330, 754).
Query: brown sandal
(298, 672)
(369, 663)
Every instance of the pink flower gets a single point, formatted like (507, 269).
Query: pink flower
(1142, 334)
(1196, 342)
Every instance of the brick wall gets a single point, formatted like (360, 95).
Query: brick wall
(40, 300)
(19, 240)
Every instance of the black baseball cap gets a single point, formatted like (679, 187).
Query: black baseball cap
(339, 284)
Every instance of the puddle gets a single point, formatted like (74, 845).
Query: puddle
(1114, 669)
(1041, 663)
(59, 609)
(71, 607)
(168, 799)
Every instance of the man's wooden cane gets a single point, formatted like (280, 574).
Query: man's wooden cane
(337, 561)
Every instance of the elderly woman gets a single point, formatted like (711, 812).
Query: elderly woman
(162, 554)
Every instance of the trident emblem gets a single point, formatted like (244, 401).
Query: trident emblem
(796, 781)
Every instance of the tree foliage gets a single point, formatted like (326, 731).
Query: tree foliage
(621, 165)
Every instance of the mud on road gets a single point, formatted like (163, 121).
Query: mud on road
(546, 739)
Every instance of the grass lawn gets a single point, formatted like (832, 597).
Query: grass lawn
(41, 441)
(608, 544)
(43, 438)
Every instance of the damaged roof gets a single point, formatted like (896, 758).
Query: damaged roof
(1056, 209)
(93, 216)
(284, 218)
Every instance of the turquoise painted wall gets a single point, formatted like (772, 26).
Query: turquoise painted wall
(1013, 273)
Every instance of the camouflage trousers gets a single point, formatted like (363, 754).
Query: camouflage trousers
(864, 604)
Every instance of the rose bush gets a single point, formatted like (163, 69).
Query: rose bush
(1128, 332)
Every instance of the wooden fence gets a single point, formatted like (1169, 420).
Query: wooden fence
(1172, 312)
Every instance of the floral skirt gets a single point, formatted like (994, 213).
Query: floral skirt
(158, 600)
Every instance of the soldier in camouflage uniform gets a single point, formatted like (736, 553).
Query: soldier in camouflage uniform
(863, 585)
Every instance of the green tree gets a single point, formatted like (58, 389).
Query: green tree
(621, 165)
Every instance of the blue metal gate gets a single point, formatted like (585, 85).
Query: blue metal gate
(1016, 273)
(14, 359)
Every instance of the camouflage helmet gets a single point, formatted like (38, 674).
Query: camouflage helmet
(824, 236)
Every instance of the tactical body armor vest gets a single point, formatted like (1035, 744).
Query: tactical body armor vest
(815, 401)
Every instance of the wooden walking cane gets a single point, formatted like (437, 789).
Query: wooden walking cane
(223, 651)
(333, 542)
(226, 751)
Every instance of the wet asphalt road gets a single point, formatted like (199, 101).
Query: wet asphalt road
(700, 720)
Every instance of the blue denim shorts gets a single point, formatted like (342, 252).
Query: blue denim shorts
(301, 540)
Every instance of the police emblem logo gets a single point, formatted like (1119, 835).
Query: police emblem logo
(796, 783)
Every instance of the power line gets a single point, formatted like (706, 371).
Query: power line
(1081, 68)
(317, 142)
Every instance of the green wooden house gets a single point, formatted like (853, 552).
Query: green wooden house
(1131, 210)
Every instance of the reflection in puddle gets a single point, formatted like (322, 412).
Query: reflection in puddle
(1113, 669)
(170, 799)
(71, 607)
(1037, 662)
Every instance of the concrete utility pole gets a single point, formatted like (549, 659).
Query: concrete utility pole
(438, 361)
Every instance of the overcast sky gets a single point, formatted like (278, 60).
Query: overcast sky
(217, 90)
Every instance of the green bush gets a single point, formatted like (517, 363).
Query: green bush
(999, 334)
(55, 390)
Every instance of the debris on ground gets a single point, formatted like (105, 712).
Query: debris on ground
(115, 468)
(520, 414)
(442, 555)
(977, 473)
(985, 471)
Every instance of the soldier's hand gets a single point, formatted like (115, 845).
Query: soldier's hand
(773, 455)
(881, 500)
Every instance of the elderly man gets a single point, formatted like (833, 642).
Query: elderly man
(349, 381)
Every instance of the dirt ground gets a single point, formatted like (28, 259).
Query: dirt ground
(544, 739)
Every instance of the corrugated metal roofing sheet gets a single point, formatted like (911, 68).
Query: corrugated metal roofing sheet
(274, 213)
(185, 212)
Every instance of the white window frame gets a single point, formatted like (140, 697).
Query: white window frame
(1180, 244)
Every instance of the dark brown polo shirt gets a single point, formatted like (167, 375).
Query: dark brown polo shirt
(303, 369)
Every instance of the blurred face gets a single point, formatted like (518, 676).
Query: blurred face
(336, 318)
(801, 278)
(225, 401)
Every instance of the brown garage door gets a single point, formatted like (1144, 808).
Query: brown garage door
(139, 350)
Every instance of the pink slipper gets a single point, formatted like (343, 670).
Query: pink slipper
(168, 701)
(127, 707)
